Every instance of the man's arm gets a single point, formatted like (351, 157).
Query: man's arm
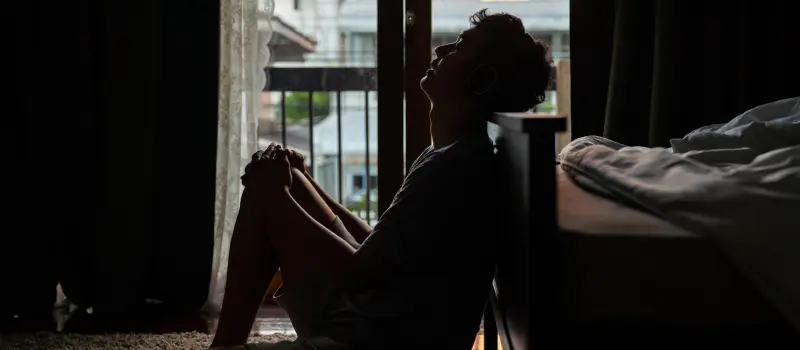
(357, 227)
(306, 237)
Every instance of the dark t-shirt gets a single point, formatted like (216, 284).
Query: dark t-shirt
(438, 238)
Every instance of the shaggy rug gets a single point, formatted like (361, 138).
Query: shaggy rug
(174, 341)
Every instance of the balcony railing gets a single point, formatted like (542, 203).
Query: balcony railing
(336, 81)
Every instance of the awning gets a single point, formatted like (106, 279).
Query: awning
(280, 27)
(287, 43)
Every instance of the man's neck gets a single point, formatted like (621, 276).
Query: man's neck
(453, 124)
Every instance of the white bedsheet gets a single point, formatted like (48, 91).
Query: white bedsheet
(736, 183)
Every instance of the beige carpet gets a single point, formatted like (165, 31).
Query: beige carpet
(175, 341)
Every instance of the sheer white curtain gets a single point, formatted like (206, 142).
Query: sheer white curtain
(245, 30)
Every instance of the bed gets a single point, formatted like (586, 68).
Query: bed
(579, 269)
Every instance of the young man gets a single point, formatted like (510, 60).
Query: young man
(420, 277)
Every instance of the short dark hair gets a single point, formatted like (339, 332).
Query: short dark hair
(523, 66)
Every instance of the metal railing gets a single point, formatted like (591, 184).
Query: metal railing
(335, 81)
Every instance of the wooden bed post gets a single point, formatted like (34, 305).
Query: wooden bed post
(489, 328)
(563, 101)
(524, 297)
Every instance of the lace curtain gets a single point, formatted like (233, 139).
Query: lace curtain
(245, 31)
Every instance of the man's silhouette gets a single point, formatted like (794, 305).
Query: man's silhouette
(419, 279)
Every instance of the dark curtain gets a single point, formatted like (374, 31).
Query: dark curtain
(112, 121)
(645, 71)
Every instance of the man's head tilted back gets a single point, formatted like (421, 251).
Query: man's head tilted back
(494, 66)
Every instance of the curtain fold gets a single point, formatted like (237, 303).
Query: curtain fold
(645, 71)
(245, 32)
(114, 127)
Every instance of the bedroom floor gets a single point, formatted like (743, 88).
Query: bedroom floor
(270, 320)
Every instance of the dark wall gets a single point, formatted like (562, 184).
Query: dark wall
(646, 71)
(112, 123)
(591, 44)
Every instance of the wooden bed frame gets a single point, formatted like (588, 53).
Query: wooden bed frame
(535, 302)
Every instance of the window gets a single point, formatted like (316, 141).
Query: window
(329, 47)
(363, 48)
(358, 182)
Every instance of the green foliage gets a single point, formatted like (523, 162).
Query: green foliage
(545, 107)
(297, 106)
(362, 204)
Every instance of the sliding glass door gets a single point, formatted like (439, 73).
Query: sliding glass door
(325, 99)
(430, 23)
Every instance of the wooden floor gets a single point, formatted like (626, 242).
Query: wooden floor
(479, 342)
(272, 319)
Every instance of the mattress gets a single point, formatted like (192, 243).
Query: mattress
(582, 211)
(624, 264)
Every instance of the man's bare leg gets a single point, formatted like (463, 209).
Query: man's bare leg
(315, 256)
(252, 259)
(315, 202)
(251, 264)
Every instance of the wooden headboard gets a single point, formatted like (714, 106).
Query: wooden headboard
(528, 268)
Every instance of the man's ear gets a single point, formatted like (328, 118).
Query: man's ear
(482, 79)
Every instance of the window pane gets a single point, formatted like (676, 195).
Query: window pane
(316, 41)
(321, 100)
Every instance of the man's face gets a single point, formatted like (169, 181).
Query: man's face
(451, 68)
